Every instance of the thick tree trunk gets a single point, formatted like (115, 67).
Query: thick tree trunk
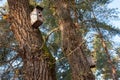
(71, 42)
(36, 62)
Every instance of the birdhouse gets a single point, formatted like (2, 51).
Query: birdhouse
(36, 17)
(91, 61)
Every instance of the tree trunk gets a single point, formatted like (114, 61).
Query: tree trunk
(71, 42)
(36, 61)
(112, 66)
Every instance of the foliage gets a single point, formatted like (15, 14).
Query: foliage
(8, 48)
(89, 14)
(88, 18)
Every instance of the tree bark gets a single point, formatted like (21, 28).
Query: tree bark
(36, 62)
(72, 43)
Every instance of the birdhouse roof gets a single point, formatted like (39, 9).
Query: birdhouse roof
(40, 8)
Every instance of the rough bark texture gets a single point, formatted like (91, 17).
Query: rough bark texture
(36, 62)
(72, 41)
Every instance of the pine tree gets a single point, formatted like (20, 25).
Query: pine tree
(37, 62)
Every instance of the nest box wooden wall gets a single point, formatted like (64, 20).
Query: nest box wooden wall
(91, 61)
(36, 17)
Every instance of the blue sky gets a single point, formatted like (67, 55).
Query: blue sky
(115, 4)
(2, 2)
(116, 23)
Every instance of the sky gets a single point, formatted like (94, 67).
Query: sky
(116, 23)
(115, 4)
(2, 2)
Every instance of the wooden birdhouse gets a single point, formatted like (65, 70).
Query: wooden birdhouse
(91, 61)
(36, 17)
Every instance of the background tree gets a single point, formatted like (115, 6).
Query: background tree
(85, 18)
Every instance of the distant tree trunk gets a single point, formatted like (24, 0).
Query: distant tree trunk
(36, 62)
(71, 42)
(112, 66)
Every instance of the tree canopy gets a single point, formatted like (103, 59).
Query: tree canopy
(71, 31)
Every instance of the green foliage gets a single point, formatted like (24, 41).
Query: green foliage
(49, 14)
(7, 46)
(5, 41)
(62, 67)
(84, 10)
(104, 26)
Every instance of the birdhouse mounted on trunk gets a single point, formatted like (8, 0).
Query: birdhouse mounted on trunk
(91, 61)
(36, 17)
